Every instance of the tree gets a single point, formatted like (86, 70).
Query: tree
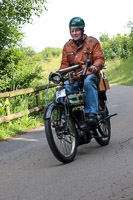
(116, 47)
(13, 14)
(130, 25)
(104, 37)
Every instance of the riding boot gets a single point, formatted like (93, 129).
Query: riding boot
(91, 119)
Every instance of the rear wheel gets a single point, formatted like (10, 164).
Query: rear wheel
(63, 143)
(103, 132)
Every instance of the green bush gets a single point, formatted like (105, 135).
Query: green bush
(19, 71)
(116, 47)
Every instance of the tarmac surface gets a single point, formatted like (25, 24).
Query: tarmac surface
(29, 171)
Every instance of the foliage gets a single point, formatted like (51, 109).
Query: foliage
(13, 14)
(21, 103)
(47, 54)
(49, 60)
(116, 47)
(130, 25)
(2, 107)
(119, 46)
(20, 70)
(104, 37)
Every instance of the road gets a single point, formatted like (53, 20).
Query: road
(29, 171)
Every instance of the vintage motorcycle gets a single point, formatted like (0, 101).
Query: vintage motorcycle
(66, 125)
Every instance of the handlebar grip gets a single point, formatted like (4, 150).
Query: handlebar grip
(84, 72)
(87, 64)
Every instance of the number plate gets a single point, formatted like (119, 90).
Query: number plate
(61, 93)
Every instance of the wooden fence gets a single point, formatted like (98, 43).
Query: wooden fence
(8, 95)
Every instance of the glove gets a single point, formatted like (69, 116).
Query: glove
(93, 69)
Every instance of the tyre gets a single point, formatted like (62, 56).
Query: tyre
(103, 132)
(62, 143)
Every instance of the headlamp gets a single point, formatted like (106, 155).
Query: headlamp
(55, 78)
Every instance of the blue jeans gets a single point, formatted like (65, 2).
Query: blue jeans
(91, 92)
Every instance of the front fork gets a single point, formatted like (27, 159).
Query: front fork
(67, 113)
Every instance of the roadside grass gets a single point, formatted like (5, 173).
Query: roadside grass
(22, 103)
(51, 65)
(18, 126)
(118, 72)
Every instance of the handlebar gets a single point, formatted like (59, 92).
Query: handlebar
(68, 69)
(73, 68)
(59, 75)
(87, 64)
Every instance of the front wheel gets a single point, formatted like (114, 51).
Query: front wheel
(63, 142)
(103, 133)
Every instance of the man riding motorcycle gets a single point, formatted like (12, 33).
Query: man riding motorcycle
(78, 49)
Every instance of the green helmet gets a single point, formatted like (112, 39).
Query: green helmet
(77, 22)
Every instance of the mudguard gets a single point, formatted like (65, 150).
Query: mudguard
(50, 108)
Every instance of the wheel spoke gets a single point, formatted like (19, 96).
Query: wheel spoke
(67, 141)
(64, 140)
(103, 132)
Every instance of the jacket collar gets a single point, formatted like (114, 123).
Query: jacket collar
(79, 44)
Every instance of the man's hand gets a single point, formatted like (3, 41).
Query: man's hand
(93, 69)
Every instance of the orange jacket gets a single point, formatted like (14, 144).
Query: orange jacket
(89, 49)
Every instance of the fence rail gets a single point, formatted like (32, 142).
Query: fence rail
(8, 95)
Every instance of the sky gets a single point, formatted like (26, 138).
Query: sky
(100, 16)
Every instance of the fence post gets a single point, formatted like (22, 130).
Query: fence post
(7, 104)
(11, 94)
(38, 101)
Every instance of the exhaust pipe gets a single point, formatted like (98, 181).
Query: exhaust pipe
(107, 117)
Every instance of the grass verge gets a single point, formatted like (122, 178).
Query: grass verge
(120, 72)
(18, 126)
